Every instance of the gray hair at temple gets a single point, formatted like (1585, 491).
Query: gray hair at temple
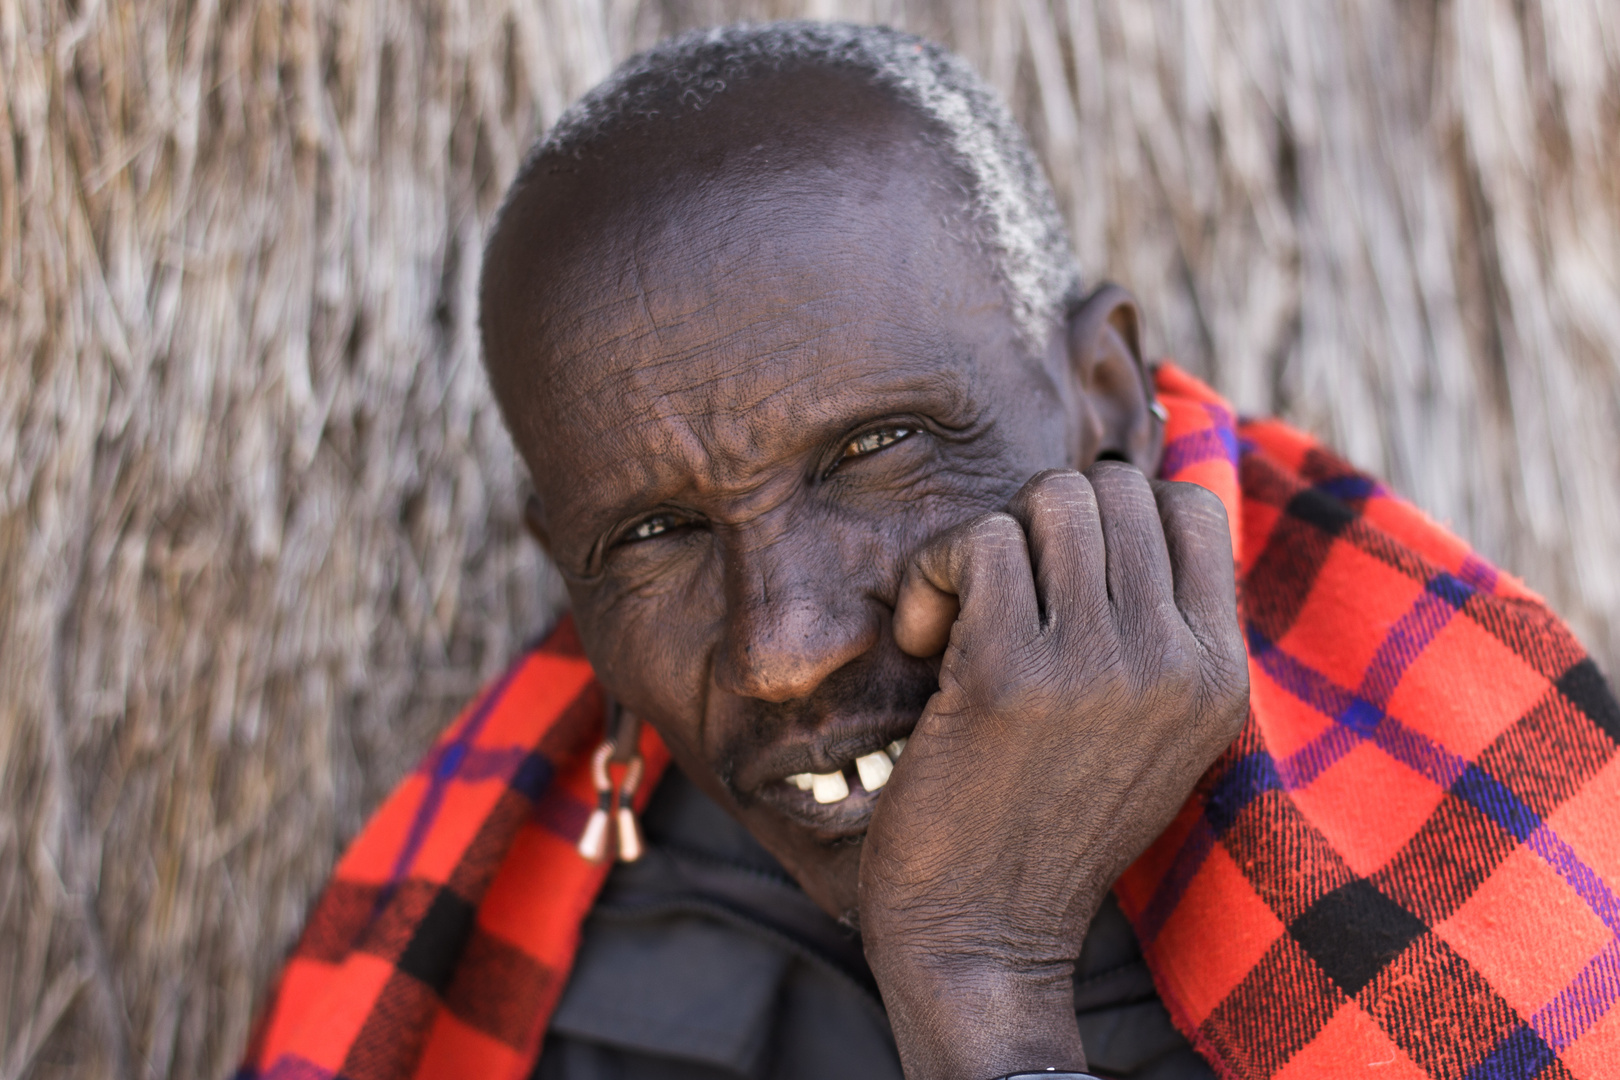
(1012, 212)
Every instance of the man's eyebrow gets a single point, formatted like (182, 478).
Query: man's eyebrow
(938, 394)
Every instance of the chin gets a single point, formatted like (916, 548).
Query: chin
(829, 871)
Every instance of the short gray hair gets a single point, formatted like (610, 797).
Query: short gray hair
(1014, 216)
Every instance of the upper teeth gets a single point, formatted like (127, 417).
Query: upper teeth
(829, 787)
(873, 769)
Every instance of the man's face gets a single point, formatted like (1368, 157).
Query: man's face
(743, 407)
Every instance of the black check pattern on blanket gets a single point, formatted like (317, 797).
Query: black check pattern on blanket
(1399, 921)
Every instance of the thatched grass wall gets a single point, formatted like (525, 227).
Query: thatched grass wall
(258, 522)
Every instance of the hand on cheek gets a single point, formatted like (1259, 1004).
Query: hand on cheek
(1092, 670)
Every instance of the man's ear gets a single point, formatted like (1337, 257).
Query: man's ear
(1116, 397)
(534, 519)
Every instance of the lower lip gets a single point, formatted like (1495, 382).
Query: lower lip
(829, 822)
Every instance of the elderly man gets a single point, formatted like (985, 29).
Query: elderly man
(849, 481)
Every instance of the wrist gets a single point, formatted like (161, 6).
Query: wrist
(979, 1018)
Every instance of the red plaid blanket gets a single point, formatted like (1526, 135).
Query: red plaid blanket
(1405, 867)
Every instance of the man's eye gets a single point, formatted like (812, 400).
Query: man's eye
(657, 525)
(876, 440)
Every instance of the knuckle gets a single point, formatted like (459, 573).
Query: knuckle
(1035, 486)
(1014, 681)
(1111, 682)
(996, 531)
(1034, 693)
(1179, 675)
(1115, 474)
(993, 523)
(1183, 492)
(1009, 698)
(1058, 482)
(1123, 486)
(1060, 492)
(1199, 505)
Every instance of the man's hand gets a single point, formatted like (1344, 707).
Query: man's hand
(1093, 669)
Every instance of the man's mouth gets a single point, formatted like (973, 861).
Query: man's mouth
(871, 770)
(836, 805)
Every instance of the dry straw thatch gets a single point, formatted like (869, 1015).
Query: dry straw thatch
(258, 527)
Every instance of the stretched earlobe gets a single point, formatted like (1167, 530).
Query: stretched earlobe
(1105, 352)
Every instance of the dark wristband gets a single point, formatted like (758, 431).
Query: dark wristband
(1047, 1076)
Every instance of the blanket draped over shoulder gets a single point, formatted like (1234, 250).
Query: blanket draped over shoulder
(1408, 862)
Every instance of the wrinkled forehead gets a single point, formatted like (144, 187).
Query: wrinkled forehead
(749, 295)
(769, 297)
(722, 335)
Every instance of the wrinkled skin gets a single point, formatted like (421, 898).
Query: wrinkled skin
(810, 493)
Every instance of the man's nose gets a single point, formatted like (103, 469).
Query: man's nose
(793, 617)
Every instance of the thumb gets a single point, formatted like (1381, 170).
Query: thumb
(986, 555)
(923, 615)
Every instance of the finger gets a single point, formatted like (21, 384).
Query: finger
(923, 616)
(1139, 576)
(1199, 541)
(1058, 510)
(984, 563)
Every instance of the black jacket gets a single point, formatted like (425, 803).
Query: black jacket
(705, 961)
